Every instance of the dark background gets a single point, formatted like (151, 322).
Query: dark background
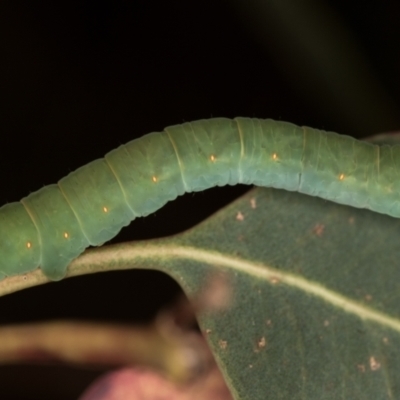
(79, 78)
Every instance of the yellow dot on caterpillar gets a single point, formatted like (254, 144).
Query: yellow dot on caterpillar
(341, 177)
(274, 156)
(66, 235)
(154, 179)
(213, 158)
(28, 245)
(105, 209)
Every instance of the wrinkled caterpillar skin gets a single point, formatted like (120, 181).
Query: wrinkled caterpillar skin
(51, 227)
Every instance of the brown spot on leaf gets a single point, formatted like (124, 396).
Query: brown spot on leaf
(374, 364)
(223, 344)
(239, 216)
(261, 343)
(318, 229)
(361, 367)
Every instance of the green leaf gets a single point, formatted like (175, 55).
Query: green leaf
(315, 286)
(316, 296)
(315, 305)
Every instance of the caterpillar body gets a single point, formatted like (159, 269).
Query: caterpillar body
(51, 227)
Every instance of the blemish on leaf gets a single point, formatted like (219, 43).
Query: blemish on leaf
(361, 367)
(253, 202)
(274, 280)
(351, 220)
(223, 344)
(319, 229)
(385, 340)
(261, 343)
(374, 364)
(239, 216)
(268, 322)
(368, 297)
(326, 323)
(208, 331)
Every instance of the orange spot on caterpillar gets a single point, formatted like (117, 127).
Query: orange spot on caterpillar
(213, 158)
(341, 177)
(154, 179)
(28, 245)
(105, 209)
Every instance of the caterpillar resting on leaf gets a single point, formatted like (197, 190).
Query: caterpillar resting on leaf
(51, 227)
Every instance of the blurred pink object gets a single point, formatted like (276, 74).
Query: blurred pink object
(139, 384)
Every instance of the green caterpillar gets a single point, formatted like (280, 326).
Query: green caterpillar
(51, 227)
